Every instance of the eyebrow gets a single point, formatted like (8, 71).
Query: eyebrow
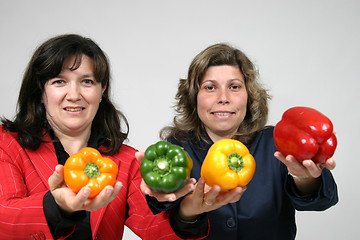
(83, 76)
(88, 75)
(230, 80)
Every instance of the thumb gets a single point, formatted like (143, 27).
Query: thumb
(139, 156)
(57, 178)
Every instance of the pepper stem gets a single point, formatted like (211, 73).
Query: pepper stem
(162, 166)
(92, 170)
(235, 162)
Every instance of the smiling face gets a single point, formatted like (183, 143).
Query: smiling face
(72, 98)
(222, 101)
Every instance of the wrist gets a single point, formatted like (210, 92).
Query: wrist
(297, 177)
(186, 217)
(306, 185)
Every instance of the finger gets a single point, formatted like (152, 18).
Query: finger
(168, 197)
(279, 155)
(160, 196)
(139, 156)
(103, 198)
(293, 165)
(284, 159)
(112, 193)
(144, 187)
(330, 164)
(312, 168)
(189, 187)
(198, 192)
(57, 178)
(117, 188)
(81, 197)
(210, 197)
(236, 194)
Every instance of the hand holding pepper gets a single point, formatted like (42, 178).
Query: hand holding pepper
(305, 173)
(165, 167)
(206, 199)
(228, 164)
(88, 168)
(306, 142)
(161, 196)
(70, 202)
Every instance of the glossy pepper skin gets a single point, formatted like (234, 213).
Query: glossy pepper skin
(228, 164)
(305, 133)
(165, 167)
(89, 168)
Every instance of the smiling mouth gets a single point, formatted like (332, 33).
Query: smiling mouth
(74, 109)
(222, 113)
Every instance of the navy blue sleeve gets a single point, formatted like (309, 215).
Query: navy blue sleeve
(157, 207)
(326, 196)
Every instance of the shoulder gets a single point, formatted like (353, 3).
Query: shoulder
(264, 140)
(265, 134)
(125, 153)
(7, 138)
(127, 149)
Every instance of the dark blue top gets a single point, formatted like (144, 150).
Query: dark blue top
(267, 208)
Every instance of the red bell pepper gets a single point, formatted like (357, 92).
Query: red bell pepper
(305, 133)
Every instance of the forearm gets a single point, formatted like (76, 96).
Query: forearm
(307, 185)
(325, 197)
(195, 227)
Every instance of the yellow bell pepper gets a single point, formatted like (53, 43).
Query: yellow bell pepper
(228, 164)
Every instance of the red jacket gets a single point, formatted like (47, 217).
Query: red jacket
(24, 181)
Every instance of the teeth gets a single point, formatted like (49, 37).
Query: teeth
(221, 113)
(73, 109)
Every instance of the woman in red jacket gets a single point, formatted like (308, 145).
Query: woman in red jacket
(64, 106)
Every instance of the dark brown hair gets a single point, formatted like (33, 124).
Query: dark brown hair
(46, 63)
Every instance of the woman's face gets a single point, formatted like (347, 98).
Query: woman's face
(72, 98)
(221, 101)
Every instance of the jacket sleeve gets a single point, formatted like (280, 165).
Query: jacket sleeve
(21, 211)
(326, 196)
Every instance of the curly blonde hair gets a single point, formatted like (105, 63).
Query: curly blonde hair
(187, 124)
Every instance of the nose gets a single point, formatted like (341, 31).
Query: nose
(223, 97)
(73, 93)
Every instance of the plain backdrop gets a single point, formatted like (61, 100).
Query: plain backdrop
(307, 53)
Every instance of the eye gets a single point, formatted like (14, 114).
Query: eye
(56, 81)
(235, 87)
(209, 88)
(88, 81)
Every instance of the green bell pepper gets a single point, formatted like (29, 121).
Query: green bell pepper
(165, 167)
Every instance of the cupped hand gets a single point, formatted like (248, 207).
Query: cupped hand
(169, 197)
(306, 168)
(165, 197)
(70, 201)
(205, 199)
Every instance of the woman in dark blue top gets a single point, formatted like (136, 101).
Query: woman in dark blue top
(222, 98)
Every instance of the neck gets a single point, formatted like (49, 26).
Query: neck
(73, 143)
(215, 137)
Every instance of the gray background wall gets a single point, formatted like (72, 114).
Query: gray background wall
(307, 53)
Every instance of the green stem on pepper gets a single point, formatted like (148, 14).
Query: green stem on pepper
(235, 162)
(92, 170)
(162, 166)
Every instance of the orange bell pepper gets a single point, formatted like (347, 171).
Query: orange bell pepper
(228, 164)
(88, 168)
